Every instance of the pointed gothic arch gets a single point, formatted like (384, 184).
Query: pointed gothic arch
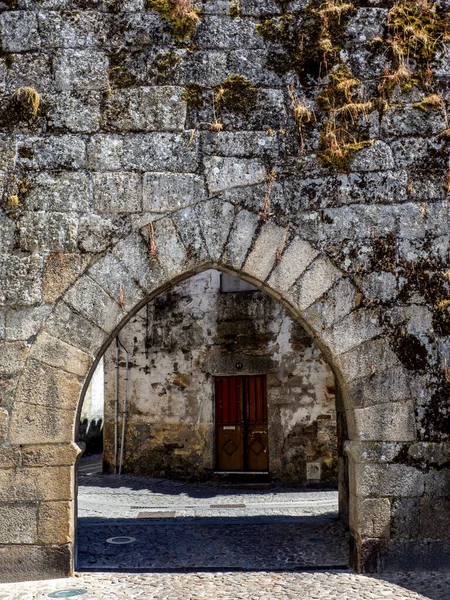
(271, 256)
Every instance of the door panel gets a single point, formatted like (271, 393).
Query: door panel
(256, 447)
(241, 423)
(256, 438)
(230, 455)
(229, 425)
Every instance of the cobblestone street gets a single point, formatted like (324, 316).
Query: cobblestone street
(246, 586)
(177, 525)
(192, 536)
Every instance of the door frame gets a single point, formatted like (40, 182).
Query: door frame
(215, 455)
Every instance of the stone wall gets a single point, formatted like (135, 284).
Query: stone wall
(319, 173)
(178, 342)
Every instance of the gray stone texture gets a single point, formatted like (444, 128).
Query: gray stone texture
(359, 256)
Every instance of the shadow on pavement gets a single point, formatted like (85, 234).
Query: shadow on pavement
(245, 543)
(426, 584)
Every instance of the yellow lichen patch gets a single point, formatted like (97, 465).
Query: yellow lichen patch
(29, 98)
(235, 9)
(442, 305)
(180, 14)
(13, 202)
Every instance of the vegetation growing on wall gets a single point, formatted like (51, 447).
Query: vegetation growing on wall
(14, 195)
(311, 48)
(302, 115)
(416, 31)
(181, 15)
(166, 63)
(29, 99)
(193, 95)
(310, 42)
(310, 45)
(235, 9)
(344, 103)
(235, 93)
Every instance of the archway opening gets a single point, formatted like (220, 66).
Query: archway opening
(213, 424)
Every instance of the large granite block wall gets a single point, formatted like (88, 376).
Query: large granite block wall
(302, 145)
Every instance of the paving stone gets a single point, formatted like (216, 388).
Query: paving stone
(227, 585)
(210, 526)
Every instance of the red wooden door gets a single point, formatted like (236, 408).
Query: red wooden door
(241, 423)
(256, 434)
(229, 424)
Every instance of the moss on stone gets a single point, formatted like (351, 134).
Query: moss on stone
(236, 92)
(344, 104)
(27, 153)
(433, 101)
(121, 77)
(13, 202)
(286, 33)
(179, 14)
(193, 96)
(8, 58)
(235, 9)
(28, 99)
(310, 43)
(417, 30)
(165, 63)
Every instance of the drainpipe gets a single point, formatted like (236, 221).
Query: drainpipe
(124, 415)
(116, 410)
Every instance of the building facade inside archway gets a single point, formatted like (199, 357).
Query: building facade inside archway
(200, 356)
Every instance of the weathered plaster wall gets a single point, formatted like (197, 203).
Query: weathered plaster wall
(92, 412)
(331, 195)
(184, 337)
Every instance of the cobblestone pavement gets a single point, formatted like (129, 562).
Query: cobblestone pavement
(245, 586)
(179, 525)
(289, 518)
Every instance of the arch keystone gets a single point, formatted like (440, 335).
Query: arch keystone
(216, 218)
